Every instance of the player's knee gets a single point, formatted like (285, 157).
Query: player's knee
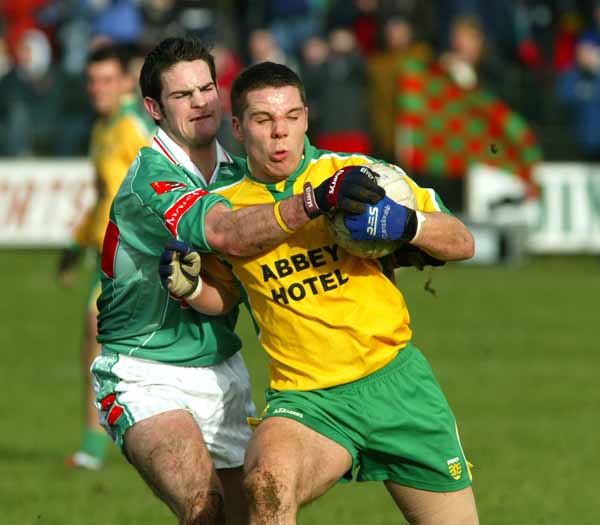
(205, 509)
(266, 494)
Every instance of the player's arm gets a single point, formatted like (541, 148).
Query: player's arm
(443, 236)
(251, 230)
(180, 273)
(439, 234)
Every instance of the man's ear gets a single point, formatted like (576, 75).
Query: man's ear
(152, 107)
(236, 129)
(306, 113)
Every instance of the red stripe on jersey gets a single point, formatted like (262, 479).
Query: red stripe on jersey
(174, 213)
(114, 414)
(108, 401)
(164, 150)
(109, 249)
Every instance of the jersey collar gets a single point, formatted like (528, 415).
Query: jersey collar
(170, 149)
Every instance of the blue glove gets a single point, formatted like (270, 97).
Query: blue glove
(384, 221)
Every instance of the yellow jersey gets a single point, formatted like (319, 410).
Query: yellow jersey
(325, 317)
(114, 144)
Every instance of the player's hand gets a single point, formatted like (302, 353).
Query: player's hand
(384, 220)
(66, 264)
(179, 270)
(349, 189)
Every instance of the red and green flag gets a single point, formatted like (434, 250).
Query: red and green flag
(442, 128)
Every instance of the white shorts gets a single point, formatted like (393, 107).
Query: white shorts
(129, 389)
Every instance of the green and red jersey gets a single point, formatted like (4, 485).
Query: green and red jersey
(163, 196)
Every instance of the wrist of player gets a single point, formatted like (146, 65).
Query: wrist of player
(420, 220)
(309, 201)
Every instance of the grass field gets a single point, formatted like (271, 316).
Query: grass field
(515, 349)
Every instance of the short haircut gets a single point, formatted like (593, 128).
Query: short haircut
(259, 76)
(111, 51)
(165, 55)
(467, 22)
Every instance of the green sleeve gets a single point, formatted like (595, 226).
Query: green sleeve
(158, 203)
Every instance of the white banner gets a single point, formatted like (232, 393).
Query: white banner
(565, 218)
(42, 200)
(568, 219)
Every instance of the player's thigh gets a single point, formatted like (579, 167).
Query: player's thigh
(294, 461)
(170, 454)
(423, 507)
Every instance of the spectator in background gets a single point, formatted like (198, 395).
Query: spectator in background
(359, 16)
(20, 16)
(262, 47)
(383, 69)
(579, 88)
(468, 61)
(565, 41)
(115, 21)
(121, 130)
(341, 97)
(315, 54)
(366, 25)
(591, 34)
(33, 110)
(161, 18)
(227, 65)
(5, 60)
(292, 22)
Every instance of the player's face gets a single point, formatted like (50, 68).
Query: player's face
(190, 111)
(272, 131)
(106, 84)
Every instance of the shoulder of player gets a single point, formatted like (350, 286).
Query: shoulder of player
(231, 186)
(151, 167)
(325, 163)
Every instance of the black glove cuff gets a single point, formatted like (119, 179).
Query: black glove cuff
(310, 203)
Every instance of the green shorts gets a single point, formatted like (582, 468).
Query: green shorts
(396, 424)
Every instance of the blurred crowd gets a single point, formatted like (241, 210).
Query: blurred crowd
(540, 58)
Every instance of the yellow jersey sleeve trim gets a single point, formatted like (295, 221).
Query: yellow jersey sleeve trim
(279, 218)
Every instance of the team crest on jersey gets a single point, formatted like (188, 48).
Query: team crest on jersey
(455, 468)
(165, 186)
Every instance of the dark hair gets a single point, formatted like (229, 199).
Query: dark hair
(258, 76)
(165, 55)
(116, 52)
